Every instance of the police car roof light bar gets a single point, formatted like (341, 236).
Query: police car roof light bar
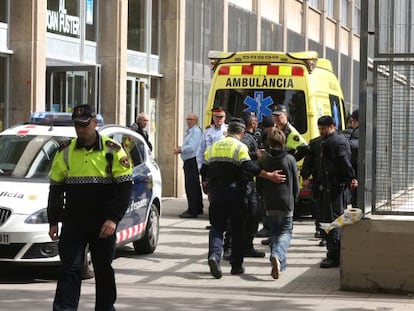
(57, 118)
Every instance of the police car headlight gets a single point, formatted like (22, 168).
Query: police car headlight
(39, 217)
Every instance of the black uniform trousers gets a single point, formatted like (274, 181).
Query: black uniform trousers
(227, 202)
(333, 204)
(252, 215)
(192, 186)
(72, 242)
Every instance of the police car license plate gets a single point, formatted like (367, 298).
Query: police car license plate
(4, 238)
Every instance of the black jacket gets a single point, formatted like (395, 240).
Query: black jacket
(336, 170)
(279, 199)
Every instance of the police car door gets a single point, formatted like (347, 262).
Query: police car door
(132, 226)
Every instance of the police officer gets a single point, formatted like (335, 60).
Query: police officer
(225, 163)
(251, 199)
(212, 133)
(336, 174)
(90, 189)
(309, 173)
(295, 143)
(354, 143)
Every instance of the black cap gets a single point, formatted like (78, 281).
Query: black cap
(355, 114)
(268, 121)
(236, 125)
(279, 109)
(83, 113)
(326, 121)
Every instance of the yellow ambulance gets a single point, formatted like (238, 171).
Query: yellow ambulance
(257, 81)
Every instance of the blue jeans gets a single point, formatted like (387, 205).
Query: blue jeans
(280, 235)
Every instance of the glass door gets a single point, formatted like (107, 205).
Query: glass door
(76, 89)
(136, 100)
(67, 87)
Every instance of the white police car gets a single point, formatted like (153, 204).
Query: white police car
(26, 153)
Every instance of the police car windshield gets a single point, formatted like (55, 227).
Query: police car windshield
(235, 101)
(27, 156)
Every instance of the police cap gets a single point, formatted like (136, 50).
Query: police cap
(83, 114)
(236, 125)
(279, 110)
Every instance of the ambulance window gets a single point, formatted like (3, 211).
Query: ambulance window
(336, 111)
(262, 101)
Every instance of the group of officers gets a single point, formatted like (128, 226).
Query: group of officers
(228, 172)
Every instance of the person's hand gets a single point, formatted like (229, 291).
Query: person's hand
(108, 228)
(260, 152)
(204, 186)
(54, 232)
(177, 150)
(278, 176)
(354, 183)
(305, 183)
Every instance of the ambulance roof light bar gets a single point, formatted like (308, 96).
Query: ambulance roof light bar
(308, 58)
(57, 118)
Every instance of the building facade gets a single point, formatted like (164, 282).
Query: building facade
(124, 57)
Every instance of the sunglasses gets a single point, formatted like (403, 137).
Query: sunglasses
(82, 124)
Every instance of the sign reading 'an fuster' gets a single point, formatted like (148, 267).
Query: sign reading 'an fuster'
(63, 23)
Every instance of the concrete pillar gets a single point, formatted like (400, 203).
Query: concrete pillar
(171, 104)
(112, 55)
(28, 63)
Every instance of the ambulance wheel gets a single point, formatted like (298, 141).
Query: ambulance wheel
(148, 243)
(87, 270)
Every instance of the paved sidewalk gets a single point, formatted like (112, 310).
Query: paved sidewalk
(176, 277)
(303, 284)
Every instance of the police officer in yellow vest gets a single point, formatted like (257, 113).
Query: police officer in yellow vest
(90, 190)
(225, 163)
(295, 143)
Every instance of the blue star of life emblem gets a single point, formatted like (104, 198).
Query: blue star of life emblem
(258, 104)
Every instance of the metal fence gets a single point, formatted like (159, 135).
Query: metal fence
(388, 135)
(393, 137)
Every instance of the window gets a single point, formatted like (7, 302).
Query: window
(357, 17)
(155, 21)
(27, 156)
(90, 19)
(235, 101)
(3, 11)
(136, 25)
(330, 8)
(336, 110)
(316, 4)
(345, 13)
(68, 11)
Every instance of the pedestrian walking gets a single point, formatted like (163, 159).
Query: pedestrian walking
(140, 126)
(90, 190)
(225, 163)
(188, 152)
(279, 199)
(335, 176)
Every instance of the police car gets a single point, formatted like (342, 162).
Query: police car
(26, 153)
